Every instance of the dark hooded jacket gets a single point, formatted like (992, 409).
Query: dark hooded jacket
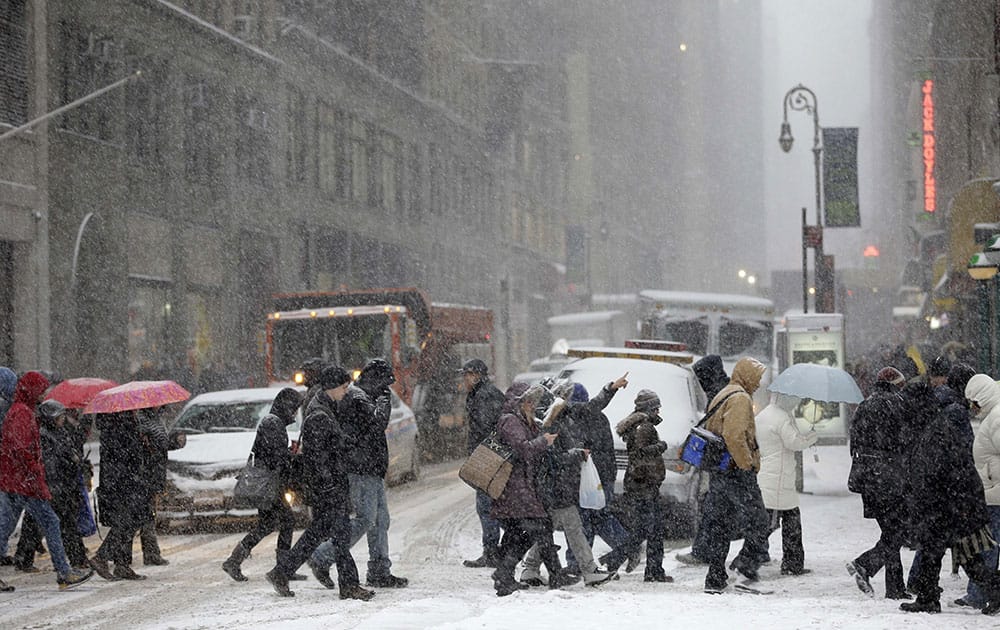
(520, 498)
(270, 446)
(22, 470)
(711, 375)
(646, 469)
(62, 464)
(559, 470)
(592, 429)
(877, 450)
(482, 405)
(326, 445)
(367, 419)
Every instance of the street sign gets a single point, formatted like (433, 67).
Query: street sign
(812, 236)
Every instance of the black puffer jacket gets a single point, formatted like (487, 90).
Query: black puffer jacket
(646, 469)
(711, 374)
(154, 443)
(326, 443)
(483, 405)
(366, 419)
(123, 491)
(593, 431)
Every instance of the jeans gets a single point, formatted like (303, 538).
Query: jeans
(601, 523)
(491, 526)
(733, 502)
(974, 595)
(567, 520)
(11, 506)
(371, 518)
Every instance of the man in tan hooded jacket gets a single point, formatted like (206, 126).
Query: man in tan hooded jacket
(735, 491)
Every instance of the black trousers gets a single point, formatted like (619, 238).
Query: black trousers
(648, 524)
(733, 503)
(885, 553)
(792, 554)
(277, 517)
(925, 583)
(519, 534)
(330, 522)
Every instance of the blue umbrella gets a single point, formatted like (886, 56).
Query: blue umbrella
(817, 382)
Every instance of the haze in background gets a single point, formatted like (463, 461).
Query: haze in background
(823, 44)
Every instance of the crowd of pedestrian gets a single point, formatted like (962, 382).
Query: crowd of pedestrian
(925, 475)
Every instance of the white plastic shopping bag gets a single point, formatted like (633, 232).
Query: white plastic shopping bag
(591, 490)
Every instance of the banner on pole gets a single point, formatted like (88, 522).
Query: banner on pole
(840, 177)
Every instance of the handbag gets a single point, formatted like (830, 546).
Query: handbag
(591, 489)
(256, 486)
(489, 467)
(705, 450)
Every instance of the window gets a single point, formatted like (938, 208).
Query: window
(144, 113)
(200, 163)
(436, 178)
(253, 141)
(391, 173)
(245, 20)
(329, 150)
(415, 184)
(296, 156)
(13, 63)
(358, 141)
(90, 61)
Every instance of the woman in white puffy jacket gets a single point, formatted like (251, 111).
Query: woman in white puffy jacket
(984, 393)
(778, 439)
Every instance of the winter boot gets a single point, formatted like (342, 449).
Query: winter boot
(386, 580)
(490, 558)
(100, 566)
(232, 564)
(861, 578)
(598, 577)
(295, 577)
(657, 577)
(504, 582)
(279, 582)
(5, 587)
(532, 576)
(689, 559)
(73, 578)
(922, 605)
(560, 579)
(155, 560)
(322, 575)
(356, 591)
(125, 572)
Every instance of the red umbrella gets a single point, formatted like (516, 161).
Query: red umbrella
(137, 395)
(75, 393)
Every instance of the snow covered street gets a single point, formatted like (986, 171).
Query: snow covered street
(434, 527)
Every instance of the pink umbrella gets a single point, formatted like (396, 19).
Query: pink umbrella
(75, 393)
(137, 395)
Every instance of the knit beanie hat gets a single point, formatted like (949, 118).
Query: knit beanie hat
(890, 375)
(646, 400)
(333, 377)
(939, 366)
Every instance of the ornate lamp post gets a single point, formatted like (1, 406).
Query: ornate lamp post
(801, 98)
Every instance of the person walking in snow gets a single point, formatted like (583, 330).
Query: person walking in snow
(645, 472)
(483, 404)
(734, 493)
(270, 450)
(947, 494)
(779, 439)
(877, 469)
(22, 477)
(326, 445)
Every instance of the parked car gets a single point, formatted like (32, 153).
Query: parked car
(220, 429)
(681, 402)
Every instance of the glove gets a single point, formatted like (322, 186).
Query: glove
(661, 445)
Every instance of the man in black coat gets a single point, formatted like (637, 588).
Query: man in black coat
(365, 410)
(947, 493)
(877, 472)
(593, 430)
(483, 403)
(270, 450)
(325, 446)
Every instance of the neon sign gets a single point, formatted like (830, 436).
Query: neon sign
(930, 185)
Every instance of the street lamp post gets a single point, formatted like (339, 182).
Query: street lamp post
(801, 98)
(984, 270)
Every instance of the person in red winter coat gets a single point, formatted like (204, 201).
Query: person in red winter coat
(22, 477)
